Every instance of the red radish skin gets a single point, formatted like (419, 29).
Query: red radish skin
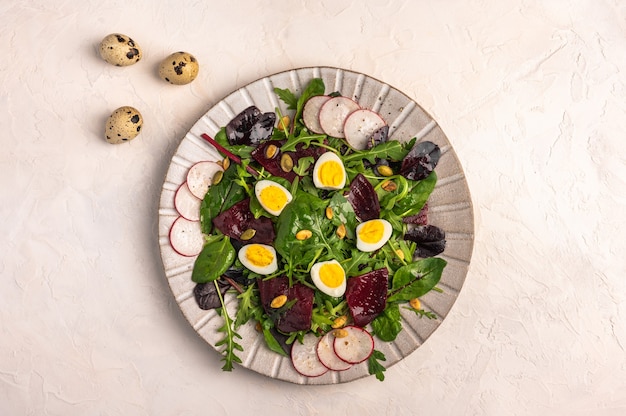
(356, 346)
(186, 237)
(304, 357)
(359, 127)
(311, 113)
(200, 176)
(186, 203)
(326, 354)
(333, 115)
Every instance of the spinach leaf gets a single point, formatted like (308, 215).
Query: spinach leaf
(416, 279)
(315, 87)
(418, 194)
(302, 213)
(388, 324)
(214, 259)
(220, 197)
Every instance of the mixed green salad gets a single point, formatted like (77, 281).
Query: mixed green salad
(321, 237)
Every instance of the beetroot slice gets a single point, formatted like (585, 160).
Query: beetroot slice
(238, 218)
(298, 316)
(363, 199)
(367, 295)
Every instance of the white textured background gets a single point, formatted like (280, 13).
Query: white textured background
(531, 94)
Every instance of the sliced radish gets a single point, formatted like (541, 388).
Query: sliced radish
(327, 356)
(359, 127)
(186, 203)
(356, 346)
(333, 115)
(304, 357)
(311, 113)
(200, 177)
(186, 237)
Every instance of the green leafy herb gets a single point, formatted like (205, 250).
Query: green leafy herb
(220, 197)
(374, 367)
(416, 279)
(214, 259)
(388, 324)
(230, 335)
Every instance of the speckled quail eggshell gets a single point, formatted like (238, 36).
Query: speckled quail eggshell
(179, 68)
(120, 50)
(123, 125)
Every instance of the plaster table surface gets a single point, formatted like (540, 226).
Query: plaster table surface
(531, 94)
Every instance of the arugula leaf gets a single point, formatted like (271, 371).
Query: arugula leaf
(304, 139)
(416, 279)
(287, 97)
(214, 259)
(230, 335)
(392, 150)
(374, 367)
(303, 165)
(388, 324)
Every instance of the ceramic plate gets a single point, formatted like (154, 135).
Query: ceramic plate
(450, 208)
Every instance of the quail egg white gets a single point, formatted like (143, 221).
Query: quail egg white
(179, 68)
(258, 258)
(329, 277)
(272, 196)
(373, 234)
(119, 50)
(329, 172)
(123, 125)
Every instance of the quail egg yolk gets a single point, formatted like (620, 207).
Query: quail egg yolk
(259, 256)
(329, 277)
(329, 172)
(331, 274)
(372, 232)
(272, 196)
(372, 235)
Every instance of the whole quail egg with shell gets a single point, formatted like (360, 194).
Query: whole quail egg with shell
(179, 68)
(123, 125)
(120, 50)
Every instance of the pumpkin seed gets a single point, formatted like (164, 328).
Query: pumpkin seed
(278, 301)
(341, 231)
(271, 151)
(286, 163)
(303, 235)
(329, 213)
(384, 170)
(389, 186)
(415, 303)
(217, 178)
(248, 234)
